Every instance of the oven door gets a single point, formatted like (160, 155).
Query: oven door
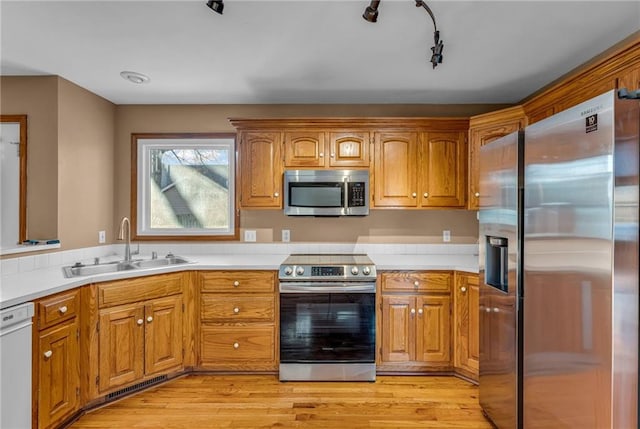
(327, 323)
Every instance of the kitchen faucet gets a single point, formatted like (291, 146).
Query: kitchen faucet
(121, 236)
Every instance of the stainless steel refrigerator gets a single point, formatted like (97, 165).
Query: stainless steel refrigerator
(559, 270)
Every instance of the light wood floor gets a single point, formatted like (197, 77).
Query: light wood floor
(260, 401)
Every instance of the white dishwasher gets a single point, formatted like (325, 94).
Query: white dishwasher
(15, 366)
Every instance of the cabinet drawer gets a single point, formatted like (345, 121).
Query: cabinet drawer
(57, 308)
(139, 289)
(412, 281)
(224, 344)
(238, 281)
(234, 308)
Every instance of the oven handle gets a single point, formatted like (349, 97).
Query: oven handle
(338, 287)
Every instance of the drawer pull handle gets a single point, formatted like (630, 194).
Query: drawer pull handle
(463, 289)
(236, 345)
(236, 310)
(140, 321)
(236, 283)
(416, 283)
(149, 319)
(48, 354)
(63, 309)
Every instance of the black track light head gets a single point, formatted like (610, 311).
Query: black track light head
(216, 6)
(371, 12)
(436, 50)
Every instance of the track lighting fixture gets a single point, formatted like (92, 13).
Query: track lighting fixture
(371, 12)
(216, 6)
(436, 50)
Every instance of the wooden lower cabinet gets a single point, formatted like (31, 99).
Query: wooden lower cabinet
(238, 313)
(415, 328)
(56, 360)
(135, 331)
(466, 298)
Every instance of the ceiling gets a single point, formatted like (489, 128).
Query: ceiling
(308, 51)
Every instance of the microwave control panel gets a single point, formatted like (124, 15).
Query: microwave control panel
(356, 194)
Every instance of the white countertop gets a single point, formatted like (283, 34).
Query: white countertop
(19, 287)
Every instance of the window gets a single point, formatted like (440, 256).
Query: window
(184, 186)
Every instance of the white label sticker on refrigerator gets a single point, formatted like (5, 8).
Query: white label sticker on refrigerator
(591, 123)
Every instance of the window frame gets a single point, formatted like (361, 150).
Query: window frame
(233, 163)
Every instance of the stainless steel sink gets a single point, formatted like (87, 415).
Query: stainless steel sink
(79, 270)
(162, 262)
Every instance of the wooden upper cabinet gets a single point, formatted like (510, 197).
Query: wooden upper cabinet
(260, 169)
(630, 78)
(483, 129)
(304, 149)
(349, 149)
(443, 169)
(396, 181)
(326, 149)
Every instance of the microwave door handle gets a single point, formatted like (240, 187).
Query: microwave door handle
(346, 194)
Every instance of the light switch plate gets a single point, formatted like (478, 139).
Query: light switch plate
(446, 236)
(286, 235)
(250, 235)
(102, 237)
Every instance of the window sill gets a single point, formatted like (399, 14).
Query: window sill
(26, 248)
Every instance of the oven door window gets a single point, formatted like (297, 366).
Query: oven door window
(327, 327)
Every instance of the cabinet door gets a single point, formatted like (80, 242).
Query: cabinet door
(443, 169)
(467, 326)
(59, 373)
(304, 149)
(433, 330)
(121, 356)
(349, 149)
(395, 177)
(630, 78)
(398, 329)
(163, 334)
(260, 170)
(478, 138)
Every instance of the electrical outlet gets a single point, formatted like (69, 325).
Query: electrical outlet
(102, 237)
(446, 236)
(286, 235)
(249, 235)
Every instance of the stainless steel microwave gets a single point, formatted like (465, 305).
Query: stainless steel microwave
(326, 192)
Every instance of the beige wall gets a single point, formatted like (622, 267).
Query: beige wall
(37, 97)
(85, 166)
(214, 118)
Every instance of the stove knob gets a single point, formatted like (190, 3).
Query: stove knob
(366, 271)
(300, 271)
(288, 271)
(354, 271)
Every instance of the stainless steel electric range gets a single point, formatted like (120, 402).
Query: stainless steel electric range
(327, 318)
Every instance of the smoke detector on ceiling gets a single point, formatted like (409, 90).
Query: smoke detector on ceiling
(135, 77)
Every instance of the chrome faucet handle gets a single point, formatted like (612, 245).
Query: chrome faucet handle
(170, 255)
(137, 251)
(96, 260)
(154, 255)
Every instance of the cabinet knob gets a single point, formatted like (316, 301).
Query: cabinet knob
(236, 310)
(414, 195)
(140, 321)
(416, 283)
(321, 154)
(236, 345)
(463, 289)
(488, 310)
(63, 309)
(425, 195)
(276, 194)
(149, 319)
(496, 310)
(333, 155)
(477, 194)
(236, 283)
(420, 311)
(48, 354)
(413, 311)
